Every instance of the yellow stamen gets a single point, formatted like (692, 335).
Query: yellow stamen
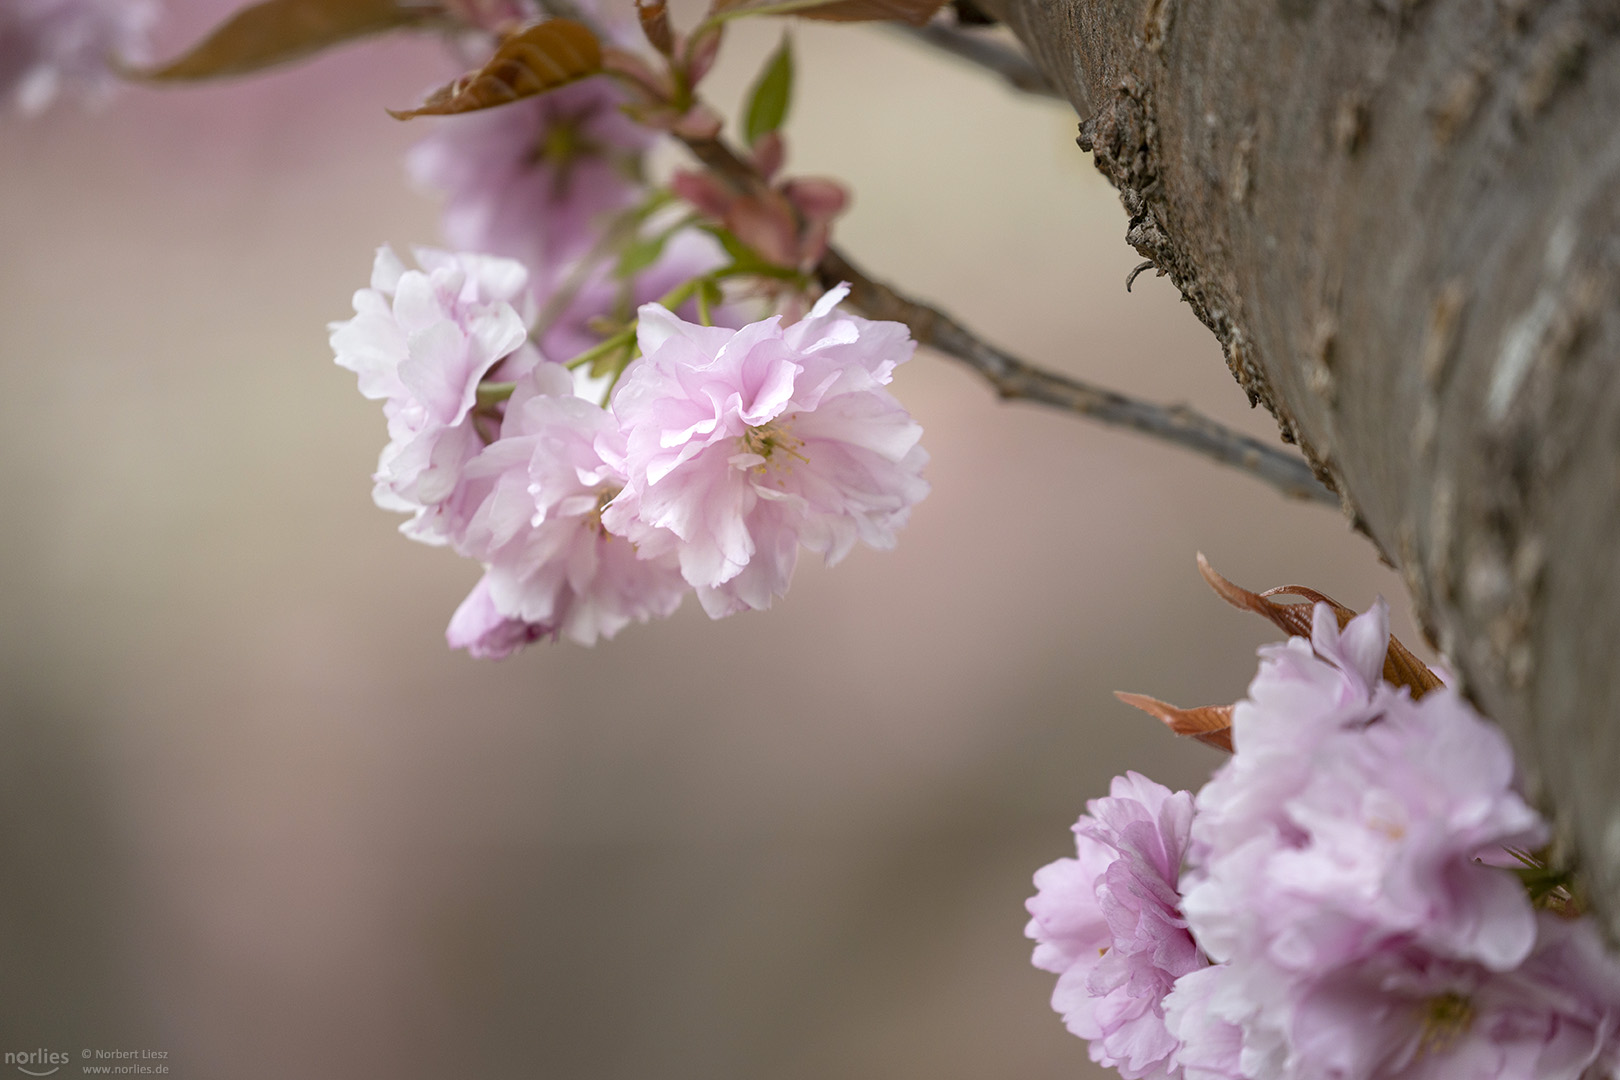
(1446, 1018)
(593, 520)
(768, 439)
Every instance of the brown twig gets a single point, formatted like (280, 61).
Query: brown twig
(1017, 380)
(1004, 61)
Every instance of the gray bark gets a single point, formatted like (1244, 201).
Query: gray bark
(1402, 221)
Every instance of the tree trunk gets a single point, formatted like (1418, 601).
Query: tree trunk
(1402, 220)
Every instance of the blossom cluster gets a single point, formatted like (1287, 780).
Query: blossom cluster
(552, 417)
(719, 455)
(1337, 903)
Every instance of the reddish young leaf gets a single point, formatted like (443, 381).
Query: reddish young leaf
(652, 85)
(702, 50)
(1401, 666)
(654, 16)
(1209, 724)
(540, 58)
(277, 31)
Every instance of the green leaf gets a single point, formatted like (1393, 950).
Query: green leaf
(743, 258)
(709, 297)
(641, 253)
(772, 94)
(277, 31)
(613, 360)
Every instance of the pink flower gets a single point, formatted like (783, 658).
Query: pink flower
(1405, 1014)
(1360, 814)
(1399, 815)
(744, 444)
(420, 341)
(1340, 872)
(537, 494)
(536, 180)
(1298, 700)
(480, 628)
(1210, 1043)
(51, 46)
(1109, 924)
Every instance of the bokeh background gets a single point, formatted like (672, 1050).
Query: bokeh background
(253, 814)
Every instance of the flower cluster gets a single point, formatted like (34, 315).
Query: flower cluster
(720, 453)
(1337, 902)
(48, 47)
(577, 403)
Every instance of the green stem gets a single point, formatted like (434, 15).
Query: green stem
(491, 393)
(679, 295)
(602, 348)
(704, 315)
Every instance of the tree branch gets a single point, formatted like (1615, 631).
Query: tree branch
(1017, 380)
(1004, 61)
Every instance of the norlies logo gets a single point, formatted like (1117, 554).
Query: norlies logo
(37, 1062)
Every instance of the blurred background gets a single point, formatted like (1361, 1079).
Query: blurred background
(254, 815)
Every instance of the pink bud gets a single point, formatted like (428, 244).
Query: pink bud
(654, 86)
(769, 152)
(703, 191)
(700, 122)
(766, 227)
(816, 198)
(700, 54)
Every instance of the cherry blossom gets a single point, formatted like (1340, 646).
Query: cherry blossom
(420, 342)
(1108, 922)
(537, 494)
(743, 445)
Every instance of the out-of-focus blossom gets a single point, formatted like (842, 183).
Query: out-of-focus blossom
(744, 444)
(420, 341)
(1341, 876)
(479, 627)
(1405, 1014)
(1360, 814)
(1108, 922)
(536, 180)
(601, 294)
(1297, 701)
(538, 493)
(1210, 1046)
(1346, 875)
(51, 47)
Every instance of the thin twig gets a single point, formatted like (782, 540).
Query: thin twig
(1001, 60)
(1016, 380)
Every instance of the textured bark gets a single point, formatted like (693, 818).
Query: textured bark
(1402, 221)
